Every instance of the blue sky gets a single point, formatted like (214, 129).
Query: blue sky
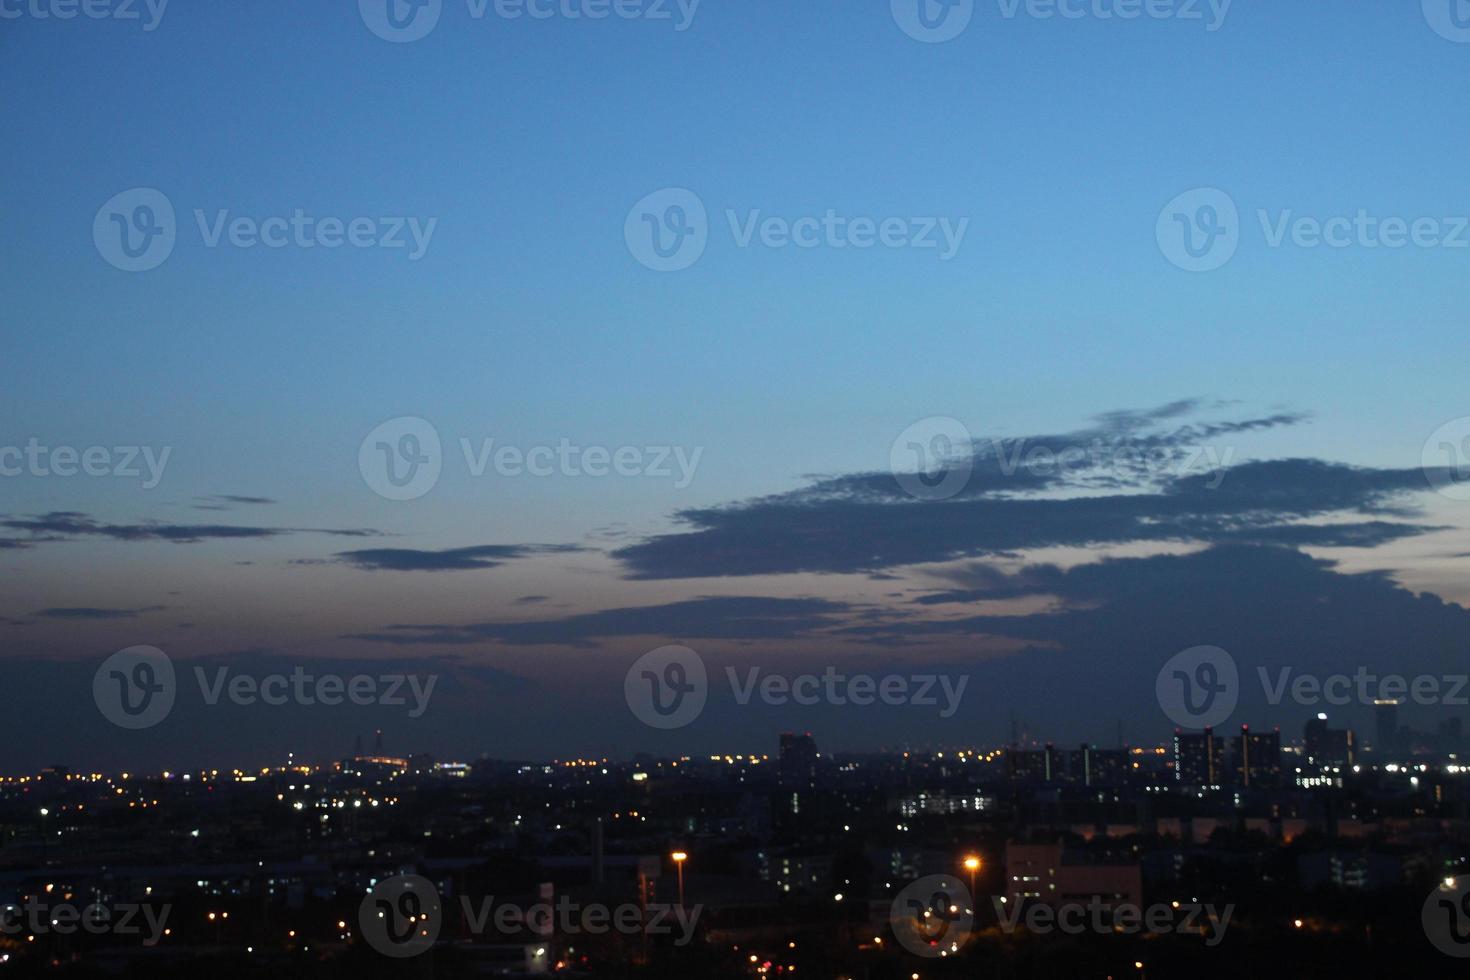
(528, 320)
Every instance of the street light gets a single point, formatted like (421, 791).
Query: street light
(1138, 965)
(972, 865)
(679, 858)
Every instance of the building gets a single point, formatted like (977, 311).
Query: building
(1045, 873)
(1199, 758)
(1328, 746)
(798, 762)
(1093, 766)
(1034, 765)
(1256, 758)
(1386, 725)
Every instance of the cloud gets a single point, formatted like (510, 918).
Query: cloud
(706, 617)
(224, 501)
(1120, 481)
(448, 560)
(64, 525)
(92, 612)
(1094, 653)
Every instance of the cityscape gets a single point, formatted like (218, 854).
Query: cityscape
(1189, 857)
(734, 489)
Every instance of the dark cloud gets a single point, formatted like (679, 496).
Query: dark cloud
(707, 617)
(449, 560)
(92, 612)
(531, 600)
(226, 500)
(1095, 653)
(62, 525)
(1118, 482)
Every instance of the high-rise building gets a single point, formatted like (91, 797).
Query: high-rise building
(1199, 758)
(1328, 746)
(1256, 757)
(798, 761)
(1092, 766)
(1386, 725)
(1036, 765)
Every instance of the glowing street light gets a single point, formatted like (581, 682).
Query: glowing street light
(972, 865)
(679, 858)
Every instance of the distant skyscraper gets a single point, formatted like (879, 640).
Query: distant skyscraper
(1034, 765)
(1199, 758)
(798, 762)
(1100, 766)
(1257, 757)
(1328, 746)
(1386, 725)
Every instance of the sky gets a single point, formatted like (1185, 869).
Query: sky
(502, 169)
